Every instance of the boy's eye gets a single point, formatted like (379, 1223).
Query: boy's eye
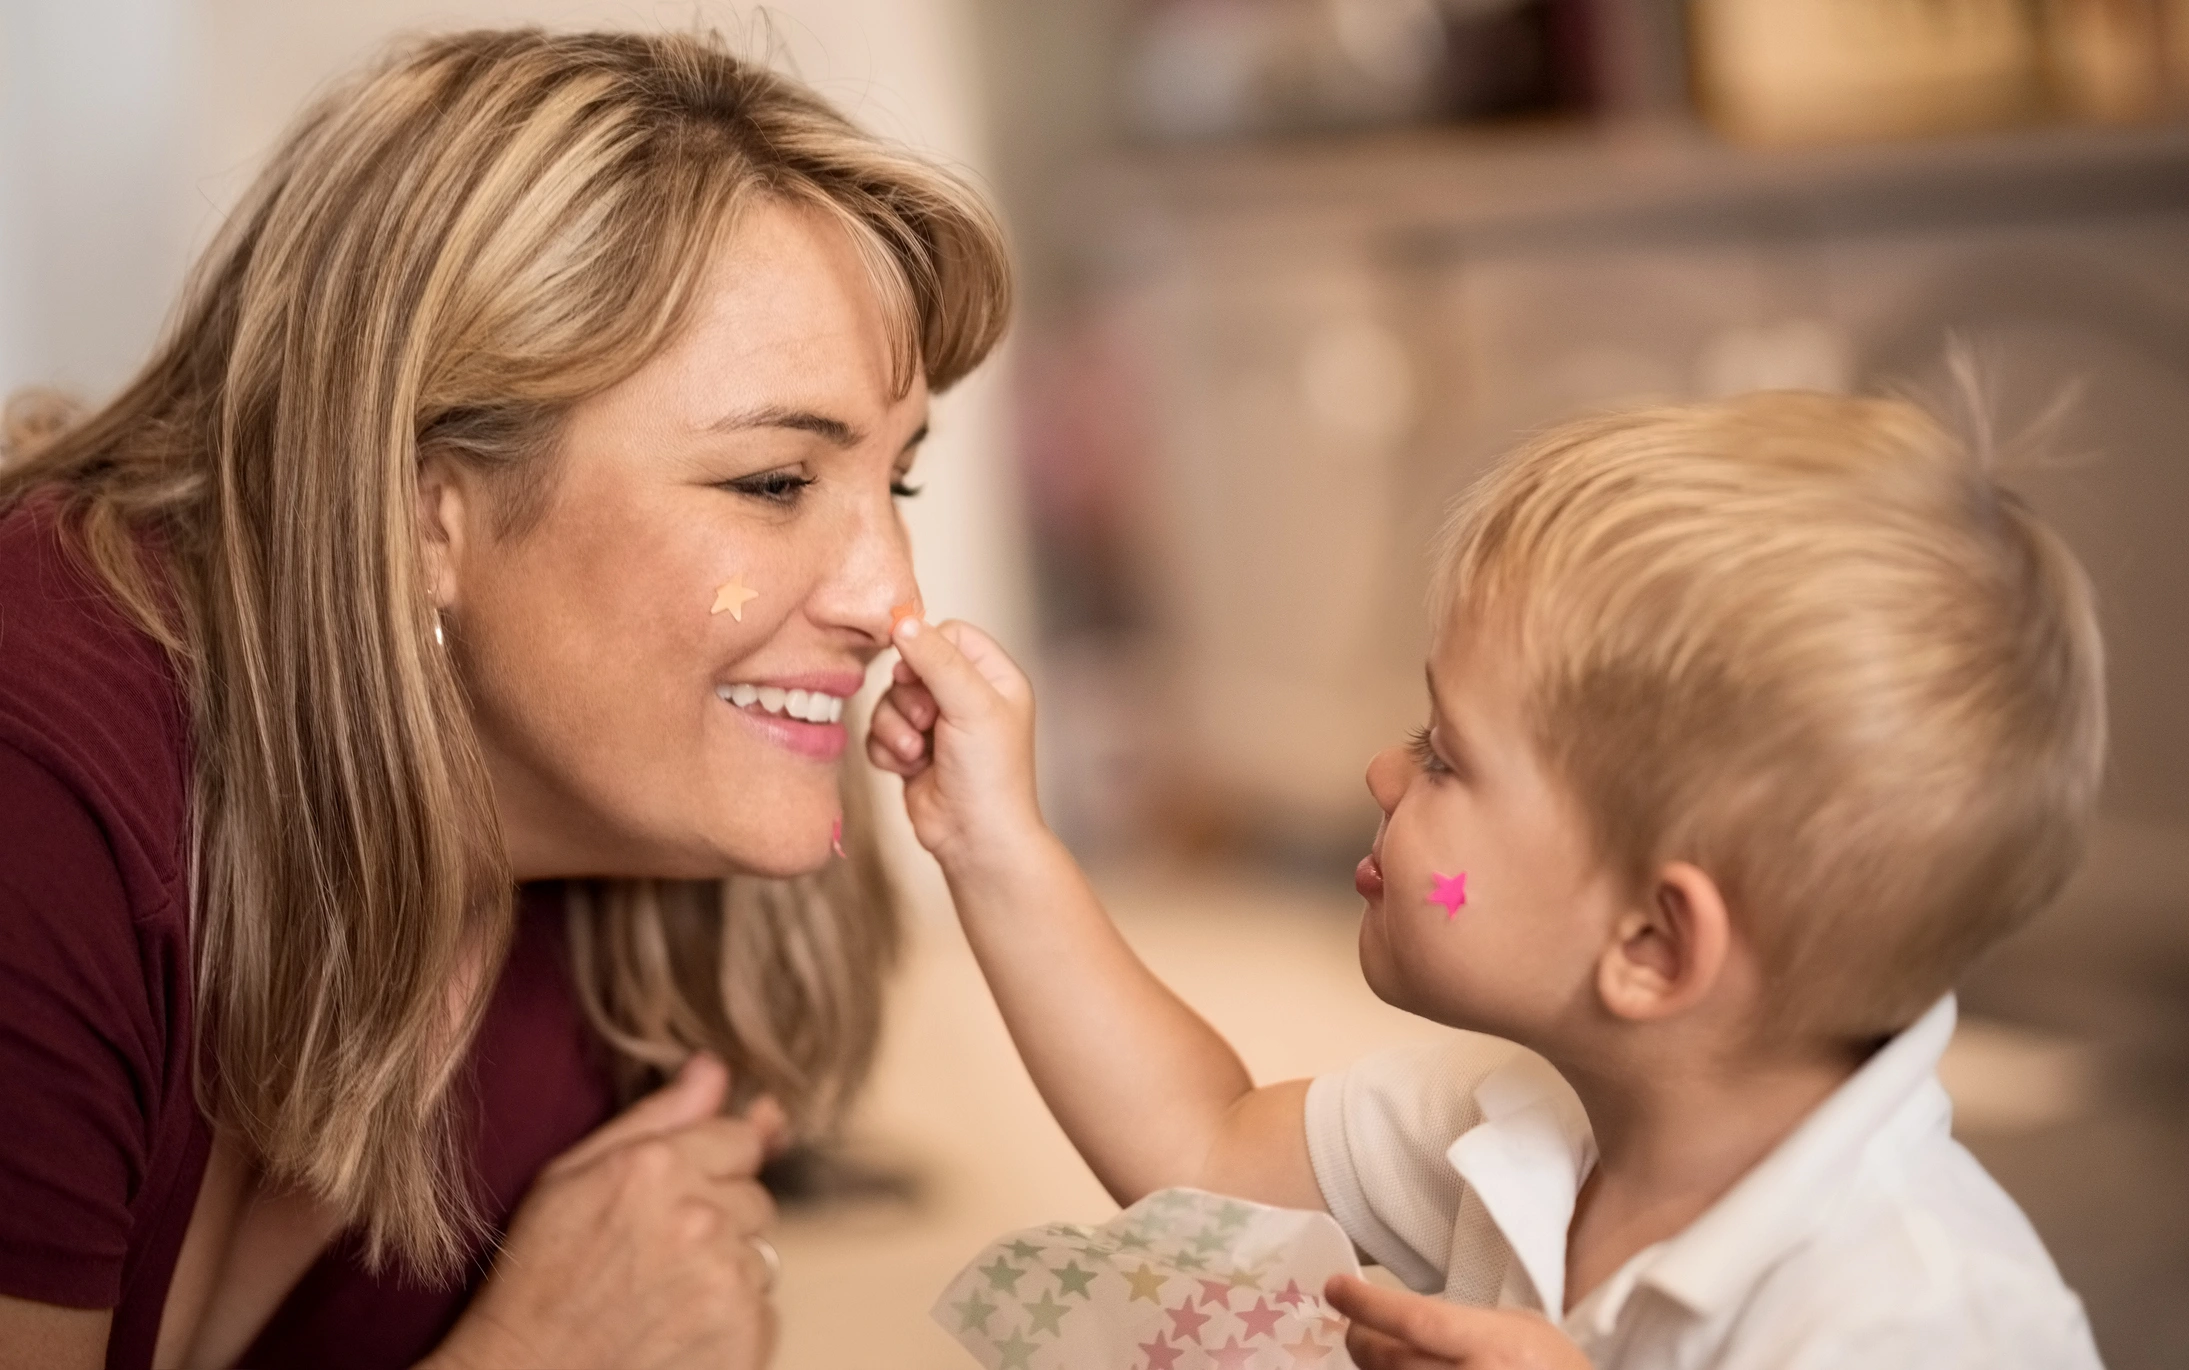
(776, 487)
(1425, 756)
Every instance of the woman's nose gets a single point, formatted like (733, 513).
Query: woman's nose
(1388, 772)
(871, 574)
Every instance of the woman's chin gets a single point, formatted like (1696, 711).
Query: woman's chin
(779, 856)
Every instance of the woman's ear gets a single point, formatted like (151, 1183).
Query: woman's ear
(1668, 951)
(444, 501)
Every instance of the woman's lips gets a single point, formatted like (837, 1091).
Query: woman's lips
(1368, 877)
(821, 741)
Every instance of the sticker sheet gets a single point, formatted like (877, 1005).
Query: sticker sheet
(1182, 1280)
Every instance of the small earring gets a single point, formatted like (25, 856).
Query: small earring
(438, 639)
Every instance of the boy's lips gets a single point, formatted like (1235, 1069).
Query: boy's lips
(1368, 877)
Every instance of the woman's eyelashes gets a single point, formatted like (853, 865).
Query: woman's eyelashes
(785, 487)
(781, 487)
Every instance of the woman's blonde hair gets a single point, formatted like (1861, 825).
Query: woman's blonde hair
(446, 254)
(1810, 645)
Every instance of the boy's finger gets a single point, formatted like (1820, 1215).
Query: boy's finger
(957, 685)
(883, 759)
(988, 657)
(878, 752)
(897, 734)
(1373, 1350)
(916, 704)
(1424, 1324)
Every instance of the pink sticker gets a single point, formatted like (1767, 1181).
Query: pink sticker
(836, 836)
(1451, 892)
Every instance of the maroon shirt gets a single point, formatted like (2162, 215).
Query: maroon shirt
(102, 1145)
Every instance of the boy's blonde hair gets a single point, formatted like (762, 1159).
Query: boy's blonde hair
(1809, 644)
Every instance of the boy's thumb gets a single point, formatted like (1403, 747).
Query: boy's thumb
(948, 673)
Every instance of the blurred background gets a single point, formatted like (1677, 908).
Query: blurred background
(1293, 271)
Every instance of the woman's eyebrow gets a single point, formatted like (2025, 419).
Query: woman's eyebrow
(919, 436)
(835, 432)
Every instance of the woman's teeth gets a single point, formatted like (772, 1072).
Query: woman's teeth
(808, 706)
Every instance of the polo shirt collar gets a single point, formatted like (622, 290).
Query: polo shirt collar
(1527, 1158)
(1892, 1101)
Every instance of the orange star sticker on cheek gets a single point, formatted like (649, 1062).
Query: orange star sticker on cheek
(733, 595)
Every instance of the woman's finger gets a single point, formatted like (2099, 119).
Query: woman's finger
(746, 1209)
(769, 1119)
(720, 1148)
(697, 1092)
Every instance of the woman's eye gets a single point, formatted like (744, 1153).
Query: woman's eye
(1425, 756)
(776, 487)
(903, 489)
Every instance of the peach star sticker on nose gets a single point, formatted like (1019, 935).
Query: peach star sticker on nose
(1451, 892)
(733, 595)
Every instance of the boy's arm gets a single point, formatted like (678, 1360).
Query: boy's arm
(1150, 1094)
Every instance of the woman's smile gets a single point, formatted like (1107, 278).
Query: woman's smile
(801, 713)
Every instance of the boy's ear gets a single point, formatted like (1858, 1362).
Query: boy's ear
(1668, 951)
(444, 498)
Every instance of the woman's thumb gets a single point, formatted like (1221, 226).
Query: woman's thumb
(696, 1092)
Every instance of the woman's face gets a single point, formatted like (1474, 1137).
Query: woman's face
(724, 522)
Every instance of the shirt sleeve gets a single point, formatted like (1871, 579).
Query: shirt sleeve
(78, 1047)
(1377, 1134)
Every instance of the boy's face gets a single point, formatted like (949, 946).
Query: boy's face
(1471, 796)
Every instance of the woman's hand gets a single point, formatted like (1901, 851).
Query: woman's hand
(958, 724)
(633, 1248)
(1395, 1330)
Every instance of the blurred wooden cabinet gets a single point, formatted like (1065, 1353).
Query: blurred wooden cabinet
(1336, 339)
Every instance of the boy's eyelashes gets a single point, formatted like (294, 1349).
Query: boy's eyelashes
(1424, 753)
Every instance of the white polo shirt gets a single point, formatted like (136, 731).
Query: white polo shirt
(1869, 1238)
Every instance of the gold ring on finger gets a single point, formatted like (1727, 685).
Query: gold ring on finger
(769, 1257)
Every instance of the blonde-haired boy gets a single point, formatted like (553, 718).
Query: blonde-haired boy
(1750, 725)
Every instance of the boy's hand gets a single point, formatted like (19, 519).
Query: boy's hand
(1395, 1330)
(958, 724)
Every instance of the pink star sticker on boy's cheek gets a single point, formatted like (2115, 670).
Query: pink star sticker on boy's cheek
(1451, 892)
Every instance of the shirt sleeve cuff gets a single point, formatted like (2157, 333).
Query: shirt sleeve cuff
(1331, 1153)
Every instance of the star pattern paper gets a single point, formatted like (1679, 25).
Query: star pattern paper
(1182, 1280)
(1451, 892)
(733, 595)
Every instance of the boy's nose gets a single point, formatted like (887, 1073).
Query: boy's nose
(1388, 772)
